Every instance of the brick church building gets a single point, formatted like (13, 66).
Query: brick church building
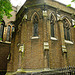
(6, 30)
(44, 38)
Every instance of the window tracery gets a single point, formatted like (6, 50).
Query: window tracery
(52, 23)
(66, 25)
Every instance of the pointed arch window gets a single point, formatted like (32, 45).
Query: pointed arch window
(8, 34)
(10, 30)
(1, 31)
(66, 25)
(52, 24)
(35, 23)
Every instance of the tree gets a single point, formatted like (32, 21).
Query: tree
(5, 8)
(69, 5)
(73, 1)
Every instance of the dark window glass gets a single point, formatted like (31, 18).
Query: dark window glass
(68, 34)
(1, 31)
(8, 33)
(12, 31)
(36, 29)
(66, 29)
(52, 30)
(52, 22)
(35, 25)
(65, 33)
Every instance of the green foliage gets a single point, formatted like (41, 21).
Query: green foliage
(69, 5)
(5, 8)
(0, 38)
(74, 26)
(73, 1)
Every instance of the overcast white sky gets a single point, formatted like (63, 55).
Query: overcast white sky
(17, 2)
(21, 2)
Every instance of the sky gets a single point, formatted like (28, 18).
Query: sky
(21, 2)
(17, 2)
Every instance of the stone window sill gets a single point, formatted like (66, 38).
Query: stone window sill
(35, 37)
(53, 38)
(1, 41)
(68, 42)
(5, 42)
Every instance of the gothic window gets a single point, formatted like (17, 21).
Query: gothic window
(1, 31)
(66, 25)
(10, 30)
(52, 23)
(8, 34)
(13, 29)
(35, 23)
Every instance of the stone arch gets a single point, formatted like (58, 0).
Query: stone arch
(2, 29)
(52, 14)
(11, 22)
(66, 25)
(67, 19)
(52, 24)
(35, 13)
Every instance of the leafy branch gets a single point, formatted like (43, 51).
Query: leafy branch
(5, 8)
(69, 5)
